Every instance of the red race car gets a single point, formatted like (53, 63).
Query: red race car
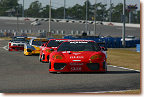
(45, 50)
(78, 56)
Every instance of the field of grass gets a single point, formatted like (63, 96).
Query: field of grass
(124, 57)
(5, 38)
(137, 92)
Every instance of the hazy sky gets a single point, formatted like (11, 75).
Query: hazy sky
(69, 3)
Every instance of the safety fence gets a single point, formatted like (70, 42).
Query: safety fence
(110, 42)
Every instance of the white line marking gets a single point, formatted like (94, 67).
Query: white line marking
(114, 91)
(5, 47)
(124, 68)
(107, 91)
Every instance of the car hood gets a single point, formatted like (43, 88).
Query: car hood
(77, 56)
(55, 48)
(36, 47)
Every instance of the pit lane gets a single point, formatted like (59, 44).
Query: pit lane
(25, 74)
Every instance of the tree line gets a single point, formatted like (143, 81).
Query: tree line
(78, 12)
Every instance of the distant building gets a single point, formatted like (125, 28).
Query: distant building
(10, 12)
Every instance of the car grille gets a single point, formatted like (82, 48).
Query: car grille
(59, 66)
(93, 66)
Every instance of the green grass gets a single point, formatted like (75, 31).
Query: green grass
(124, 57)
(135, 92)
(5, 38)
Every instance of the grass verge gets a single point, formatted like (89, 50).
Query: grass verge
(5, 38)
(124, 57)
(137, 92)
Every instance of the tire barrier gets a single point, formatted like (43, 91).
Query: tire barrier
(110, 41)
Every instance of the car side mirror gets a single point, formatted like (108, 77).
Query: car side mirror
(51, 49)
(104, 49)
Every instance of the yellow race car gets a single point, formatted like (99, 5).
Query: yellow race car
(33, 47)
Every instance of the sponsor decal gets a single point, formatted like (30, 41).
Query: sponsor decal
(76, 57)
(74, 64)
(60, 40)
(66, 52)
(76, 68)
(76, 53)
(78, 42)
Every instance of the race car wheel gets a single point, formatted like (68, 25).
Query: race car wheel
(55, 72)
(40, 59)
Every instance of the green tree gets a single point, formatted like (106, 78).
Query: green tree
(117, 13)
(34, 9)
(75, 12)
(101, 12)
(58, 13)
(138, 16)
(45, 12)
(7, 5)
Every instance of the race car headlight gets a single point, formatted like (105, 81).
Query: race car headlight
(96, 57)
(57, 57)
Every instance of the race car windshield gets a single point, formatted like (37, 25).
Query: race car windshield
(79, 46)
(18, 39)
(54, 43)
(38, 43)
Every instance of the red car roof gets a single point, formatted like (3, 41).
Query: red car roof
(80, 41)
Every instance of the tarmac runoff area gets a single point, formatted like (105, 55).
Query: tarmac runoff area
(25, 74)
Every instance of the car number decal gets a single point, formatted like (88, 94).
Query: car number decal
(76, 68)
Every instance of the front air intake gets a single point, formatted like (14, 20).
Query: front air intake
(29, 50)
(93, 66)
(59, 66)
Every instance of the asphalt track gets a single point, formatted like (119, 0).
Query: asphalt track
(25, 74)
(103, 30)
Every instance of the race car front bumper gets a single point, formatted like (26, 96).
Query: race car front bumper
(16, 48)
(78, 67)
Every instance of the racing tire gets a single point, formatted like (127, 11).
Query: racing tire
(55, 72)
(40, 59)
(52, 72)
